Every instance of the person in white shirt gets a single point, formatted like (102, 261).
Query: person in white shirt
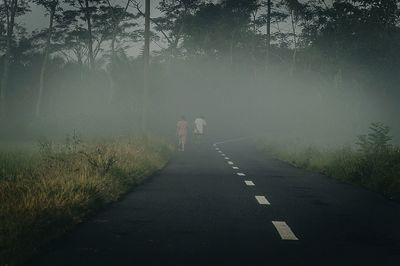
(199, 126)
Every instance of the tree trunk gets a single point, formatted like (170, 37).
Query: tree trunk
(90, 40)
(268, 44)
(113, 65)
(113, 45)
(253, 45)
(45, 62)
(294, 62)
(11, 11)
(294, 57)
(146, 67)
(231, 48)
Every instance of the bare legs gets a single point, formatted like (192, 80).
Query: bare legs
(181, 143)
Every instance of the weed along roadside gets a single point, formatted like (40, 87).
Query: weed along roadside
(373, 162)
(45, 192)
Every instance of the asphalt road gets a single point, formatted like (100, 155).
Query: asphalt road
(199, 211)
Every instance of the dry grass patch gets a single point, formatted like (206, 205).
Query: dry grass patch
(45, 192)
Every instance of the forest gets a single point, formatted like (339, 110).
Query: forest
(85, 69)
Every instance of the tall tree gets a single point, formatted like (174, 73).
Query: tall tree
(237, 16)
(225, 30)
(172, 23)
(12, 9)
(361, 32)
(2, 27)
(268, 39)
(87, 9)
(51, 7)
(146, 57)
(120, 22)
(295, 11)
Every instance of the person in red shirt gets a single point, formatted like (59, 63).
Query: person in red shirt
(181, 132)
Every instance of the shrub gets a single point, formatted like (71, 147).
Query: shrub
(45, 193)
(376, 141)
(374, 165)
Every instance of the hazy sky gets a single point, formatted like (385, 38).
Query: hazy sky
(37, 19)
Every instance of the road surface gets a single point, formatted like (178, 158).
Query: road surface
(228, 205)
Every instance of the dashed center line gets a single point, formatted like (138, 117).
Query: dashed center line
(262, 200)
(284, 230)
(249, 183)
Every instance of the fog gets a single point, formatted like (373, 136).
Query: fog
(276, 105)
(313, 100)
(235, 102)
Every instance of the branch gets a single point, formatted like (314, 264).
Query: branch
(65, 54)
(98, 46)
(116, 20)
(6, 4)
(137, 6)
(323, 1)
(81, 4)
(7, 12)
(127, 5)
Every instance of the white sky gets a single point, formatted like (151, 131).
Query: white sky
(37, 19)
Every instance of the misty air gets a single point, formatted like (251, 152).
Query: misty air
(199, 132)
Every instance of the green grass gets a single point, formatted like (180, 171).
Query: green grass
(44, 193)
(376, 171)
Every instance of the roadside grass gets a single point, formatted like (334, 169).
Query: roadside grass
(371, 164)
(45, 192)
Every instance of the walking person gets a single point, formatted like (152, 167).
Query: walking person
(199, 127)
(181, 132)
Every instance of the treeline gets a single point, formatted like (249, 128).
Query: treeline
(71, 68)
(81, 64)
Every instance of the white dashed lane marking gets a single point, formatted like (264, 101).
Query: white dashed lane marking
(284, 230)
(262, 200)
(249, 183)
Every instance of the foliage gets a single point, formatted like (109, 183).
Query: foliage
(376, 141)
(45, 193)
(375, 165)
